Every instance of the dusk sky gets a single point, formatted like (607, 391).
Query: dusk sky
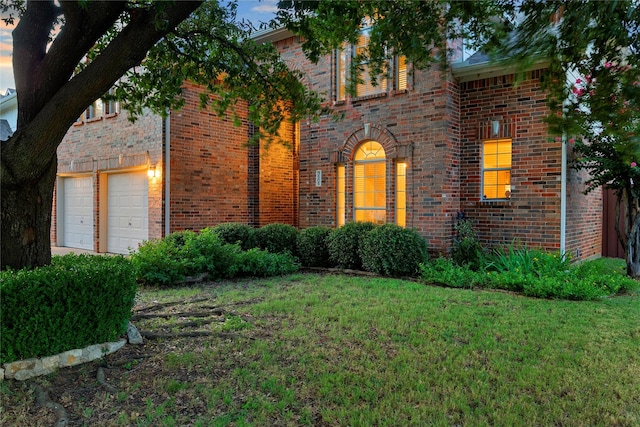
(254, 10)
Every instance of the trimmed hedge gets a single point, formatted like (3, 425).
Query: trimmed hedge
(392, 250)
(344, 244)
(312, 246)
(235, 232)
(277, 238)
(78, 300)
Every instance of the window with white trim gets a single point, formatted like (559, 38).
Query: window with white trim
(369, 183)
(353, 59)
(110, 107)
(401, 194)
(340, 196)
(496, 169)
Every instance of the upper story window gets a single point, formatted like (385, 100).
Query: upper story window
(496, 169)
(111, 107)
(94, 111)
(352, 66)
(100, 108)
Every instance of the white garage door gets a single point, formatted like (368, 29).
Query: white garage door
(127, 207)
(77, 213)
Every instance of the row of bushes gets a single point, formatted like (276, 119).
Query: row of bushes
(384, 249)
(517, 268)
(76, 301)
(233, 249)
(183, 254)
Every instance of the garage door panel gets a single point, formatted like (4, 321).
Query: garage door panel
(127, 219)
(77, 213)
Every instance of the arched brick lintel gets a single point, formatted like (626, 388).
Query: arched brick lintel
(370, 132)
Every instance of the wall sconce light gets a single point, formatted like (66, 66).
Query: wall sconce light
(495, 127)
(151, 172)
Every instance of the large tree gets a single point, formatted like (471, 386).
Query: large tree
(67, 54)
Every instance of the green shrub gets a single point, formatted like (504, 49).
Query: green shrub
(258, 263)
(444, 272)
(392, 250)
(167, 261)
(467, 249)
(206, 253)
(344, 244)
(158, 262)
(234, 232)
(517, 258)
(277, 238)
(312, 246)
(78, 300)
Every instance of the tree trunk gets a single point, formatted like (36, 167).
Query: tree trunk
(26, 220)
(633, 244)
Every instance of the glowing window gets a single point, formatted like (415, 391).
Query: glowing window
(401, 194)
(496, 169)
(401, 73)
(369, 192)
(340, 185)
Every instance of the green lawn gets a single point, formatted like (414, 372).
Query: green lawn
(336, 350)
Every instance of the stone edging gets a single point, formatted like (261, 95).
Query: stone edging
(24, 369)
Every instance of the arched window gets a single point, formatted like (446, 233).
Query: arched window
(369, 187)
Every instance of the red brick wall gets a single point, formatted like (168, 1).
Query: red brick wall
(216, 177)
(209, 170)
(584, 215)
(278, 179)
(532, 215)
(418, 126)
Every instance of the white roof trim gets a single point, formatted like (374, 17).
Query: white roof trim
(483, 70)
(272, 36)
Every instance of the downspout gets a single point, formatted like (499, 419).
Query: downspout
(563, 196)
(167, 174)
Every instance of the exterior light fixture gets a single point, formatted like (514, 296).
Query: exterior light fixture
(151, 172)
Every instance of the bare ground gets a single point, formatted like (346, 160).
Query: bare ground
(121, 388)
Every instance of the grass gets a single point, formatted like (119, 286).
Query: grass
(336, 350)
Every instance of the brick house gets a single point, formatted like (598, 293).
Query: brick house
(114, 188)
(421, 149)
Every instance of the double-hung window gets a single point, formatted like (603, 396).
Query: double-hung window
(496, 169)
(352, 66)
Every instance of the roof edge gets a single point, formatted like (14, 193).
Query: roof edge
(266, 36)
(465, 72)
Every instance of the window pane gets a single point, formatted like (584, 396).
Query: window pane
(370, 196)
(341, 74)
(401, 76)
(497, 184)
(496, 175)
(340, 202)
(401, 194)
(370, 151)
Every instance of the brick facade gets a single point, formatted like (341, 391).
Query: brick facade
(214, 175)
(436, 126)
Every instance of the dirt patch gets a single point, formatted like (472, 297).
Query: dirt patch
(123, 388)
